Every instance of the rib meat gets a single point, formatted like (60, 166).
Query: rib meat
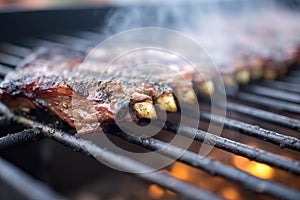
(49, 80)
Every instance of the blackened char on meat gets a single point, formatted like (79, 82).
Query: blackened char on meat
(48, 79)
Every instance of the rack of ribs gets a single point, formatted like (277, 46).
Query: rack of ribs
(53, 79)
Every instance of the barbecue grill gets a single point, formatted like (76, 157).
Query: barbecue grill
(262, 124)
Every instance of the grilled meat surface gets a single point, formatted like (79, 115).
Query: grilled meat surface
(86, 95)
(48, 79)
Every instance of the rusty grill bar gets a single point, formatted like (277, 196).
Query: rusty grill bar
(271, 94)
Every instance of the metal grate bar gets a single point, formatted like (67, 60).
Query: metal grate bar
(14, 49)
(92, 36)
(116, 160)
(70, 40)
(9, 60)
(268, 102)
(35, 42)
(20, 138)
(79, 46)
(209, 165)
(160, 178)
(295, 72)
(269, 92)
(15, 184)
(262, 114)
(283, 141)
(288, 79)
(293, 75)
(237, 148)
(4, 70)
(282, 86)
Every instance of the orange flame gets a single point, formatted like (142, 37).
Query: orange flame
(169, 192)
(155, 191)
(230, 193)
(257, 169)
(191, 175)
(181, 171)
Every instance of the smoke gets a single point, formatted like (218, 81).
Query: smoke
(174, 15)
(220, 26)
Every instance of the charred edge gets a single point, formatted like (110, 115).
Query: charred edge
(17, 139)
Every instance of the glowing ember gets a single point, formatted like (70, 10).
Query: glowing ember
(260, 170)
(230, 193)
(155, 191)
(169, 192)
(180, 171)
(257, 169)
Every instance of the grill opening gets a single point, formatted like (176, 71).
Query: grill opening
(256, 156)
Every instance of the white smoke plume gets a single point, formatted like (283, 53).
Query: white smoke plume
(223, 27)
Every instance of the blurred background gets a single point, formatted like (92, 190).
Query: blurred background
(53, 3)
(59, 3)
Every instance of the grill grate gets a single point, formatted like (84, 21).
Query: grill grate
(286, 96)
(207, 164)
(258, 94)
(264, 115)
(271, 103)
(291, 87)
(87, 147)
(18, 185)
